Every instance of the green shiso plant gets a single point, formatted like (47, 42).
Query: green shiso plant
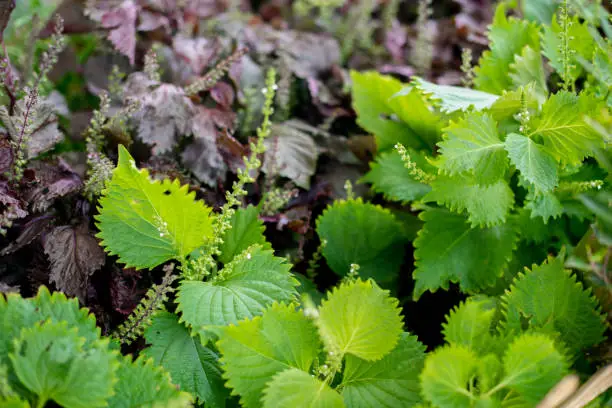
(508, 192)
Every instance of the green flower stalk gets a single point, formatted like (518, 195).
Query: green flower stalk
(205, 265)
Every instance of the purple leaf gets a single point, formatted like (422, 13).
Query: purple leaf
(198, 53)
(6, 8)
(29, 232)
(122, 22)
(223, 94)
(51, 182)
(165, 113)
(74, 255)
(395, 40)
(149, 21)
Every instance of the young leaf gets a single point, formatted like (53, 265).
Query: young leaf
(562, 126)
(246, 286)
(527, 68)
(470, 325)
(453, 98)
(374, 240)
(473, 146)
(144, 384)
(545, 205)
(390, 177)
(294, 388)
(532, 366)
(148, 222)
(533, 161)
(255, 350)
(549, 297)
(247, 229)
(510, 103)
(446, 377)
(485, 205)
(448, 250)
(193, 367)
(346, 325)
(387, 383)
(507, 37)
(50, 360)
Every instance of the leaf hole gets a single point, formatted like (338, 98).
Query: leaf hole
(167, 192)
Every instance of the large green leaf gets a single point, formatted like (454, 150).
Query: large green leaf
(412, 109)
(507, 37)
(388, 383)
(148, 222)
(533, 161)
(247, 229)
(454, 98)
(246, 286)
(564, 131)
(485, 205)
(414, 124)
(549, 297)
(532, 366)
(294, 388)
(255, 350)
(144, 384)
(364, 234)
(541, 11)
(191, 366)
(51, 361)
(446, 377)
(448, 250)
(472, 145)
(390, 177)
(346, 325)
(471, 325)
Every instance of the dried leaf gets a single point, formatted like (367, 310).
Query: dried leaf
(74, 255)
(291, 153)
(122, 22)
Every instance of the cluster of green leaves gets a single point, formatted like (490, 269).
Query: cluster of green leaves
(496, 168)
(351, 351)
(50, 350)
